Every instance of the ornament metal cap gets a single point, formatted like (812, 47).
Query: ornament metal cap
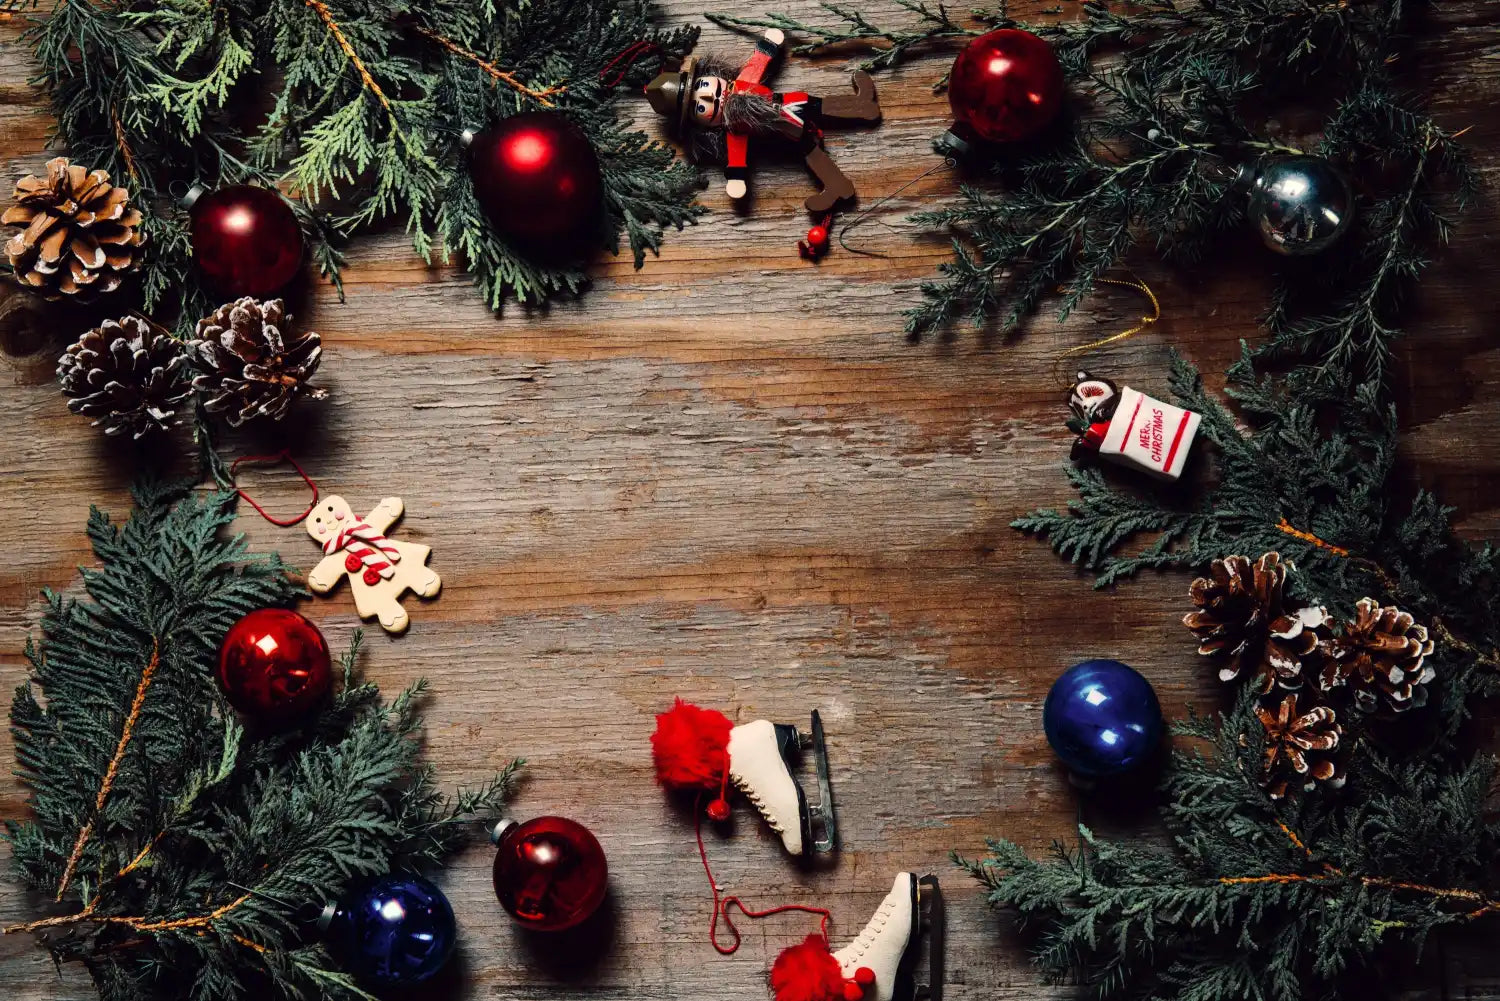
(325, 917)
(498, 831)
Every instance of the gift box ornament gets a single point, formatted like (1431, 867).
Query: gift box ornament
(1129, 428)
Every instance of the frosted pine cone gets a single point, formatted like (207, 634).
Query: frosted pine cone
(1242, 619)
(128, 375)
(78, 231)
(1382, 654)
(1301, 748)
(250, 365)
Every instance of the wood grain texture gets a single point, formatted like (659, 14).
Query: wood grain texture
(728, 476)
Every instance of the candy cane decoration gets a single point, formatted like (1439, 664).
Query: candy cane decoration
(367, 548)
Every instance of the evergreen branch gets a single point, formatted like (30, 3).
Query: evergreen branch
(934, 29)
(495, 72)
(131, 718)
(326, 16)
(227, 834)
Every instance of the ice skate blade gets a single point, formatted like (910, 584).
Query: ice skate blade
(822, 815)
(934, 922)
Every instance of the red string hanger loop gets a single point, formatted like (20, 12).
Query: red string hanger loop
(625, 60)
(283, 456)
(722, 904)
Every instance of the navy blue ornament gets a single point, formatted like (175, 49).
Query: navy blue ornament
(393, 932)
(1102, 718)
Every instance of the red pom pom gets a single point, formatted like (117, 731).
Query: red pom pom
(807, 972)
(691, 747)
(853, 992)
(864, 976)
(718, 810)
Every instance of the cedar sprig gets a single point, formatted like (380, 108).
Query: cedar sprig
(184, 848)
(364, 114)
(1169, 100)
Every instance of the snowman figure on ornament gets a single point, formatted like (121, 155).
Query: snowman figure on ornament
(720, 109)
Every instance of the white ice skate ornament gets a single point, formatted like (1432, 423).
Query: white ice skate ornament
(881, 964)
(380, 570)
(700, 749)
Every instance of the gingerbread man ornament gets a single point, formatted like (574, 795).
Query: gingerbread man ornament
(380, 570)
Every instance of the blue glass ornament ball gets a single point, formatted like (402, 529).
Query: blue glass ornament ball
(1102, 718)
(393, 932)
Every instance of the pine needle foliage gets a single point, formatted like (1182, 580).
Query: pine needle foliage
(187, 850)
(1314, 896)
(357, 109)
(1168, 100)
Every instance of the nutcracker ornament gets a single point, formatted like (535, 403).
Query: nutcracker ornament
(700, 749)
(380, 570)
(720, 109)
(1129, 428)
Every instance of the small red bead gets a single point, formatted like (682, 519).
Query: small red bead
(718, 811)
(817, 236)
(352, 563)
(864, 976)
(853, 992)
(372, 577)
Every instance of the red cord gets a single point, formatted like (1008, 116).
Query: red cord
(286, 456)
(722, 904)
(632, 52)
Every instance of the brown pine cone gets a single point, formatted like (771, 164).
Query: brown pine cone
(1299, 748)
(128, 375)
(1241, 617)
(249, 365)
(1382, 653)
(79, 233)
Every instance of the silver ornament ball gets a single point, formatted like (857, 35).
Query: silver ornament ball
(1300, 204)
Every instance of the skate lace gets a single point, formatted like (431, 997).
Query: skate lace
(759, 804)
(866, 938)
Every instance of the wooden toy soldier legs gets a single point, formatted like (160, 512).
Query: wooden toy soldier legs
(860, 106)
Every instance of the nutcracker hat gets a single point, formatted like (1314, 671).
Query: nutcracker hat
(668, 93)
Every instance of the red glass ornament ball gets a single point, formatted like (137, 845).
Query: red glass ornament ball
(274, 665)
(536, 177)
(1006, 85)
(550, 873)
(246, 240)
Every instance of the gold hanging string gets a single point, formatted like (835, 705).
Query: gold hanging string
(1142, 324)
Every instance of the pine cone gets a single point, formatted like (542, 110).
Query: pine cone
(248, 368)
(127, 375)
(1299, 748)
(1383, 652)
(79, 233)
(1242, 616)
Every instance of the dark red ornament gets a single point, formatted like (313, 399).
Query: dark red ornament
(537, 178)
(550, 873)
(274, 665)
(246, 241)
(1006, 85)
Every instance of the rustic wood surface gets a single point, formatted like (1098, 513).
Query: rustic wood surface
(728, 476)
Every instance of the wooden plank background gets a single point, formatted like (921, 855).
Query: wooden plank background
(728, 476)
